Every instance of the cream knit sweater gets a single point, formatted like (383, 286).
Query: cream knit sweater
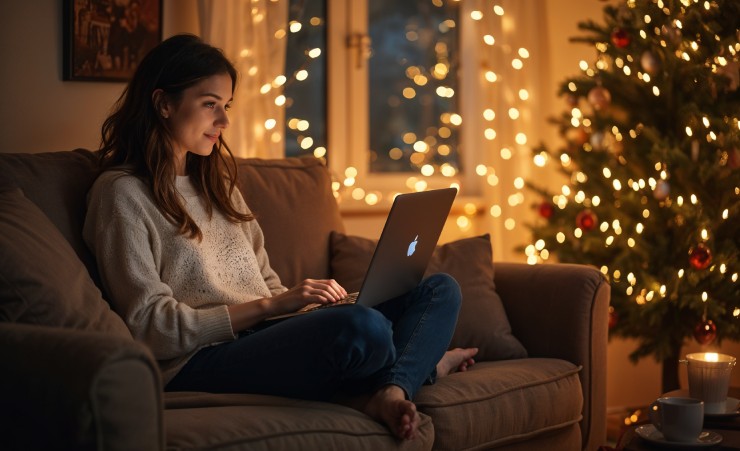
(172, 291)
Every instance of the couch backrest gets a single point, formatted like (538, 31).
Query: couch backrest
(57, 182)
(293, 202)
(291, 199)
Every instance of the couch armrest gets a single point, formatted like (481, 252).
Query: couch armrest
(71, 389)
(561, 311)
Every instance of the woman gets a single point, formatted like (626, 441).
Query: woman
(183, 262)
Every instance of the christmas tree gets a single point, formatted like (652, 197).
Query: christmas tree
(651, 155)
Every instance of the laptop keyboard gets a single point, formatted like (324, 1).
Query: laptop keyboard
(350, 299)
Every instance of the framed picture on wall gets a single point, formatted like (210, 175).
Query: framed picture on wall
(105, 39)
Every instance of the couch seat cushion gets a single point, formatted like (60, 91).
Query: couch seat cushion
(257, 422)
(496, 403)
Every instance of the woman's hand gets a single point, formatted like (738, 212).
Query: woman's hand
(310, 291)
(306, 293)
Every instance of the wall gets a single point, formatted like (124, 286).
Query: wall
(40, 113)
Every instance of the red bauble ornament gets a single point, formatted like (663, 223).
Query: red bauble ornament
(586, 220)
(572, 100)
(700, 256)
(621, 38)
(613, 317)
(733, 158)
(546, 210)
(705, 332)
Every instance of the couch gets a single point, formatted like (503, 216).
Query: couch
(72, 377)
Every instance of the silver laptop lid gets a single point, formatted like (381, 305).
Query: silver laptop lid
(406, 244)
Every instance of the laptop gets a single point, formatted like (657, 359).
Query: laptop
(406, 244)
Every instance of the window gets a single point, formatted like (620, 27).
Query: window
(386, 73)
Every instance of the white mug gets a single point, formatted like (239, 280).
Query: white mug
(679, 419)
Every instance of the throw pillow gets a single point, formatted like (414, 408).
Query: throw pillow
(67, 177)
(42, 280)
(482, 322)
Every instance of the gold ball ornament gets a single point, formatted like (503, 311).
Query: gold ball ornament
(662, 190)
(576, 135)
(650, 63)
(599, 97)
(597, 140)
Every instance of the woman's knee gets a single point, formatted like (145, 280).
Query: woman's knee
(445, 288)
(356, 326)
(364, 339)
(368, 325)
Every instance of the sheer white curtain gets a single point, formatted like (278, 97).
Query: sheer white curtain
(252, 34)
(507, 106)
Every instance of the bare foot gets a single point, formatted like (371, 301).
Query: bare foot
(458, 359)
(389, 406)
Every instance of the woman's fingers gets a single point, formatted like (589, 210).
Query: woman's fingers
(327, 289)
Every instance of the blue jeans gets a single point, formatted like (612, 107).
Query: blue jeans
(347, 350)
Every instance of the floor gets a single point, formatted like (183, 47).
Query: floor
(618, 419)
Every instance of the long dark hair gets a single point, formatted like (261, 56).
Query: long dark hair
(136, 138)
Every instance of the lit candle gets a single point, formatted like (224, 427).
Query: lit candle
(709, 379)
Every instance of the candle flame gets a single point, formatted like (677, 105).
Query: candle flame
(711, 357)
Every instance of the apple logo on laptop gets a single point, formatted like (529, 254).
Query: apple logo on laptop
(412, 247)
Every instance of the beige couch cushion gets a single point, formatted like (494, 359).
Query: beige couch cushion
(41, 279)
(482, 322)
(258, 422)
(496, 403)
(293, 202)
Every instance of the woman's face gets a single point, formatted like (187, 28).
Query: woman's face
(198, 119)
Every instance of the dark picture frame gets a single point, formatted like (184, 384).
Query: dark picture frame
(104, 40)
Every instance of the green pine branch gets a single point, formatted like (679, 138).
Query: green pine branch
(657, 167)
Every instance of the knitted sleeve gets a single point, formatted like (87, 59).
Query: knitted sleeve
(122, 228)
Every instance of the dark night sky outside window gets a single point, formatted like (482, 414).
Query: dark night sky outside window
(306, 99)
(414, 59)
